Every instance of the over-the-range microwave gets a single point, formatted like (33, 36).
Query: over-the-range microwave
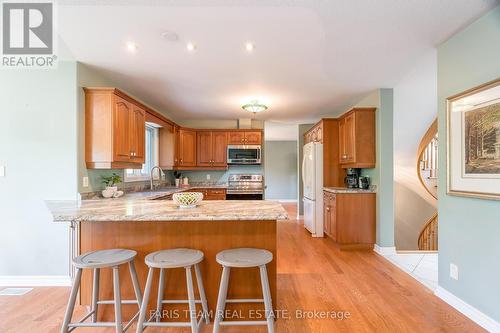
(243, 154)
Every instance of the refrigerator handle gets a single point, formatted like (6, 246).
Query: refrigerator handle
(303, 164)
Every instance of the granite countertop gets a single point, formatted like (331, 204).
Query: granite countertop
(130, 208)
(348, 190)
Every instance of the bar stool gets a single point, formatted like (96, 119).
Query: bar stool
(174, 258)
(244, 258)
(96, 260)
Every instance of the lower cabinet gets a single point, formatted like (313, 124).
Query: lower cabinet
(349, 219)
(212, 193)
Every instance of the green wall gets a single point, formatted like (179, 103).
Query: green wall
(281, 170)
(469, 229)
(38, 147)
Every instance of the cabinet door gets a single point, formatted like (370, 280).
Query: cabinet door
(236, 138)
(219, 148)
(333, 217)
(342, 143)
(121, 126)
(253, 138)
(350, 137)
(187, 148)
(204, 148)
(326, 214)
(137, 134)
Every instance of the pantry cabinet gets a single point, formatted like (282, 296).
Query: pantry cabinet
(357, 138)
(349, 219)
(114, 130)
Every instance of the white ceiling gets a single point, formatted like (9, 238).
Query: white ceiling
(311, 57)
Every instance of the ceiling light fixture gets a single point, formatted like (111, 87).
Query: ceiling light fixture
(131, 47)
(254, 106)
(191, 47)
(249, 46)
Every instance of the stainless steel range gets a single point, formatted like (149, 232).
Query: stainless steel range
(245, 187)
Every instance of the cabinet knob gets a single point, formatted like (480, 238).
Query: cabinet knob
(327, 209)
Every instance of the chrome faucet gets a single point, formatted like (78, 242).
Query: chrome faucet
(162, 174)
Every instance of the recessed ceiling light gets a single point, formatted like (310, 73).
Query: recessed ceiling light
(249, 46)
(170, 36)
(132, 47)
(191, 47)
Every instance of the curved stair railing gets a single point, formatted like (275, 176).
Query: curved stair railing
(427, 170)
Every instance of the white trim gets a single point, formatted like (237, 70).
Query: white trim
(468, 310)
(384, 250)
(300, 217)
(35, 281)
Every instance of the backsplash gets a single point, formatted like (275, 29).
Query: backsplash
(198, 176)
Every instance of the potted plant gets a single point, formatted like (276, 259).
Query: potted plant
(110, 182)
(178, 177)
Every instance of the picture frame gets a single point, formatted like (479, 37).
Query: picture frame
(473, 142)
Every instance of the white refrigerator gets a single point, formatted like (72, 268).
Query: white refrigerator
(312, 178)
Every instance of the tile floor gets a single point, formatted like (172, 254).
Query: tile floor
(422, 266)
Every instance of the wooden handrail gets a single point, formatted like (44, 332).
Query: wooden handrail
(428, 238)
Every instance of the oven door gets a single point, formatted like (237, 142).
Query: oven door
(243, 154)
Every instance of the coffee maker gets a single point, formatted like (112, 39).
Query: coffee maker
(352, 178)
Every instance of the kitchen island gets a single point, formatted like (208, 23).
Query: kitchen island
(146, 226)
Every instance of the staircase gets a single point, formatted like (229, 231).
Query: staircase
(427, 170)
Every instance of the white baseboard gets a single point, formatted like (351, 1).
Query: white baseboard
(468, 310)
(35, 281)
(384, 250)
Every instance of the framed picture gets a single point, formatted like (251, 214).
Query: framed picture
(473, 142)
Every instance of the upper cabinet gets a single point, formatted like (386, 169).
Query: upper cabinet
(212, 148)
(114, 130)
(187, 148)
(315, 134)
(245, 138)
(357, 138)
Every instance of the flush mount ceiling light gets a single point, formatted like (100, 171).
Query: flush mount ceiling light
(131, 47)
(191, 47)
(249, 46)
(254, 106)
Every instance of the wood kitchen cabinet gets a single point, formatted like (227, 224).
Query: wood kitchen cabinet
(349, 219)
(187, 147)
(212, 148)
(114, 130)
(245, 138)
(212, 193)
(357, 138)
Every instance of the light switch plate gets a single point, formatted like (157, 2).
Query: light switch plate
(208, 176)
(2, 170)
(453, 271)
(85, 182)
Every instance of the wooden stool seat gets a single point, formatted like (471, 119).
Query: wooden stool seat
(174, 258)
(104, 258)
(167, 259)
(244, 257)
(96, 261)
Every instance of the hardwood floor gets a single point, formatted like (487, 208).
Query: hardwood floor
(371, 294)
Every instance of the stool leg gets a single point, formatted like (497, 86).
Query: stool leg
(192, 304)
(144, 304)
(72, 299)
(161, 288)
(135, 283)
(95, 294)
(118, 299)
(203, 297)
(221, 300)
(268, 303)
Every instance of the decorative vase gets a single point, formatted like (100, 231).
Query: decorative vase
(110, 191)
